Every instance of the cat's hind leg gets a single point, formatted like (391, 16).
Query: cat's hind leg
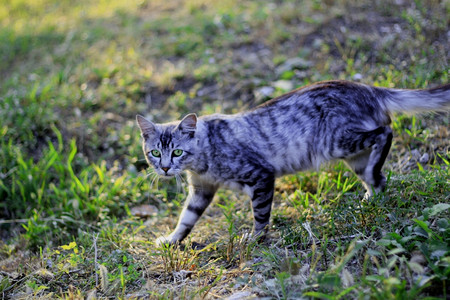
(261, 191)
(367, 162)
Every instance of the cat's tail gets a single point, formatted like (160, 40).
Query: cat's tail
(434, 99)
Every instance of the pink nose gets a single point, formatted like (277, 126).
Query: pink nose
(165, 169)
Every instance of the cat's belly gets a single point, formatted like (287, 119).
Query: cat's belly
(294, 157)
(290, 165)
(233, 185)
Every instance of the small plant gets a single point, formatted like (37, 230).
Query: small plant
(228, 210)
(177, 258)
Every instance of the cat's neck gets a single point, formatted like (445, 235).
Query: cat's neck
(202, 157)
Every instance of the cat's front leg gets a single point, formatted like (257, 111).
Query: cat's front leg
(262, 196)
(200, 196)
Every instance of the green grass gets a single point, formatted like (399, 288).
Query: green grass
(74, 75)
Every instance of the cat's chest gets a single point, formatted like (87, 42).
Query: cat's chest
(236, 183)
(233, 169)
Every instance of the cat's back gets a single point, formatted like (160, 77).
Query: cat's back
(326, 104)
(336, 94)
(315, 101)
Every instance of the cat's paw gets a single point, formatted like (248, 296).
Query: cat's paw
(368, 195)
(164, 240)
(372, 192)
(254, 237)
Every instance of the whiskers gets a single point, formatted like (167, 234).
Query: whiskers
(180, 181)
(154, 178)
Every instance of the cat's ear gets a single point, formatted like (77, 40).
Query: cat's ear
(188, 124)
(147, 127)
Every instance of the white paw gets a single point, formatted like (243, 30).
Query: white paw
(163, 240)
(252, 237)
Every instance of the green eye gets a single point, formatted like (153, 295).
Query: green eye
(177, 152)
(155, 153)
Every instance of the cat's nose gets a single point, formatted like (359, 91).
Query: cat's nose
(165, 169)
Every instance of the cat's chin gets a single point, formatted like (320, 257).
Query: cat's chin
(171, 174)
(166, 176)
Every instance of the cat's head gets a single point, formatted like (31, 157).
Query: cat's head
(170, 148)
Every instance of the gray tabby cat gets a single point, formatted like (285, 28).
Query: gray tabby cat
(294, 132)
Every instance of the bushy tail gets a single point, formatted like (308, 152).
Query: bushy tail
(435, 99)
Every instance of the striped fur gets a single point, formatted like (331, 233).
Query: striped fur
(294, 132)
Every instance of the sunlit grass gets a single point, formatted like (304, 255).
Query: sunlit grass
(23, 15)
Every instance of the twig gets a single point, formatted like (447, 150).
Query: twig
(13, 221)
(53, 219)
(95, 258)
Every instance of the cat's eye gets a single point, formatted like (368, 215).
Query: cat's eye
(155, 153)
(177, 152)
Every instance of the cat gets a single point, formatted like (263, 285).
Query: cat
(294, 132)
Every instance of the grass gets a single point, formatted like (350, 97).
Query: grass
(72, 175)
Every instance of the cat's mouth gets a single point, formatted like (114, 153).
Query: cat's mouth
(166, 176)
